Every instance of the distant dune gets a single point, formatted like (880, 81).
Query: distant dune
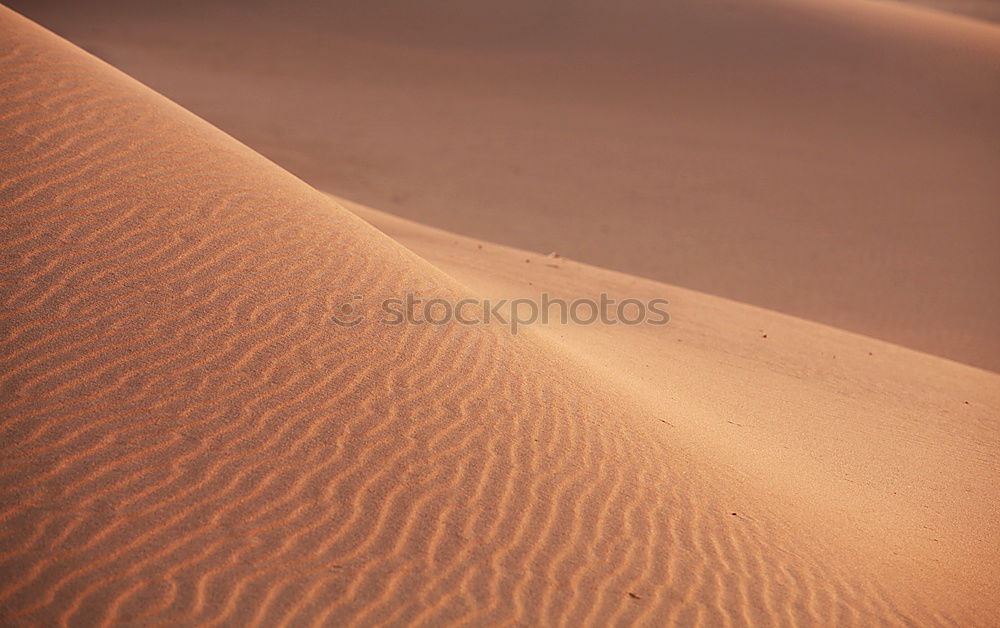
(188, 438)
(978, 9)
(831, 159)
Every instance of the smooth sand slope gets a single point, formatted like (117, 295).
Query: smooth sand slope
(831, 159)
(187, 438)
(978, 9)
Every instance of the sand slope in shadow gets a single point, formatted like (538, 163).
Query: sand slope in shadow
(187, 438)
(831, 159)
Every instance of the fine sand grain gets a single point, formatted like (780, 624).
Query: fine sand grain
(187, 438)
(831, 159)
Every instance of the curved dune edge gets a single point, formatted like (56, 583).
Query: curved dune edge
(883, 448)
(749, 149)
(188, 439)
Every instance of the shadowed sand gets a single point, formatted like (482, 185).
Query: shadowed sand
(979, 9)
(831, 159)
(187, 438)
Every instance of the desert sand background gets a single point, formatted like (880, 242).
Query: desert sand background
(831, 159)
(187, 439)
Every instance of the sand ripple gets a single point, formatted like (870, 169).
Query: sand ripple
(187, 439)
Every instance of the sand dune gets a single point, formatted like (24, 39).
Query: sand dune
(883, 452)
(977, 9)
(831, 159)
(188, 438)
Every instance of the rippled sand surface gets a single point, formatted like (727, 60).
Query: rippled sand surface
(186, 437)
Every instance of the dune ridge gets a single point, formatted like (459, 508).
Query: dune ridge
(830, 159)
(882, 451)
(188, 439)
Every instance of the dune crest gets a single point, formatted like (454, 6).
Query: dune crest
(830, 159)
(187, 438)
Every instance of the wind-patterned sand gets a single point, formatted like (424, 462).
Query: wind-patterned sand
(187, 438)
(751, 149)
